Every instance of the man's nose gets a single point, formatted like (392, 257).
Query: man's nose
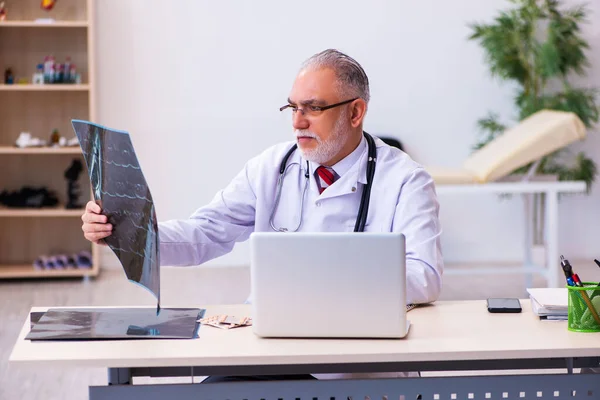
(299, 121)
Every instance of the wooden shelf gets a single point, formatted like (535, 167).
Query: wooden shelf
(27, 37)
(40, 212)
(28, 271)
(44, 88)
(40, 150)
(34, 24)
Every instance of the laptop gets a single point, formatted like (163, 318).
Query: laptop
(328, 285)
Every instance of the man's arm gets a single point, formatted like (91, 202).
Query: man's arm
(212, 230)
(417, 217)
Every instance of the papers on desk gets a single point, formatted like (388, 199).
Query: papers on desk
(549, 303)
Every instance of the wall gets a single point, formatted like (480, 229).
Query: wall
(198, 84)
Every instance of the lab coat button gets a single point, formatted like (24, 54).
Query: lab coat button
(353, 189)
(318, 204)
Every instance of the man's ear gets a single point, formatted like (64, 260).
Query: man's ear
(358, 111)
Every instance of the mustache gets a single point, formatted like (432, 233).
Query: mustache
(306, 133)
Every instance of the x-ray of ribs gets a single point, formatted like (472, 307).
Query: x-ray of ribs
(119, 187)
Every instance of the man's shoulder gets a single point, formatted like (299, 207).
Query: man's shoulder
(396, 161)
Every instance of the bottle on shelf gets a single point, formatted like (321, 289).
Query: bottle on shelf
(38, 76)
(54, 138)
(9, 77)
(58, 73)
(49, 69)
(67, 71)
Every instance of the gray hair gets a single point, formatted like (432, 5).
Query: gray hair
(352, 79)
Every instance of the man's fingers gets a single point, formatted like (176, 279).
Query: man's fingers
(90, 218)
(92, 207)
(96, 236)
(91, 228)
(95, 226)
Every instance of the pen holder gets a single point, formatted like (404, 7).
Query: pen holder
(584, 307)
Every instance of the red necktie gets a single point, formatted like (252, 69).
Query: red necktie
(326, 176)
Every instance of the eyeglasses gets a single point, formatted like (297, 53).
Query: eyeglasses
(311, 110)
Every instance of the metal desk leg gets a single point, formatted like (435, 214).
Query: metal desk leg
(551, 228)
(119, 376)
(528, 238)
(570, 366)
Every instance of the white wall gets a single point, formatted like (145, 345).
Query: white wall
(198, 84)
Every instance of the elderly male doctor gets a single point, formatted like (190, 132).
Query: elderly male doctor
(328, 103)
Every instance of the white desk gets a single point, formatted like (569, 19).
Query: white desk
(446, 336)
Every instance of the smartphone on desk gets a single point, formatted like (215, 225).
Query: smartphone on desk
(500, 305)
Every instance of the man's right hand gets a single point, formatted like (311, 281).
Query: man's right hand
(95, 224)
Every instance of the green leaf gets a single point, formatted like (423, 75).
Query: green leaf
(548, 60)
(584, 169)
(537, 43)
(489, 128)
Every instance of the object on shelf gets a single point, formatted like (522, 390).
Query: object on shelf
(74, 76)
(49, 69)
(38, 76)
(73, 191)
(54, 138)
(54, 72)
(45, 20)
(26, 140)
(48, 4)
(9, 77)
(3, 12)
(83, 260)
(29, 197)
(59, 73)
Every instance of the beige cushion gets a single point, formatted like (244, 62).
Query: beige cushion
(447, 176)
(533, 138)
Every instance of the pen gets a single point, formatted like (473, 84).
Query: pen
(587, 300)
(566, 266)
(595, 293)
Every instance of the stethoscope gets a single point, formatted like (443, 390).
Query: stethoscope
(363, 210)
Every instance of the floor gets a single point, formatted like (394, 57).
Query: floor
(181, 287)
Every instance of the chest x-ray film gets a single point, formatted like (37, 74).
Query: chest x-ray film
(119, 187)
(115, 323)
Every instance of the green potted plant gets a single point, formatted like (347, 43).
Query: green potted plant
(538, 45)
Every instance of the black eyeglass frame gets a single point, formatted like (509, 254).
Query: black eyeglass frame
(318, 108)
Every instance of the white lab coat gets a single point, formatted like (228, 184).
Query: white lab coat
(403, 199)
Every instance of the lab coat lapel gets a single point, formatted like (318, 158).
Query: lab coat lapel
(350, 182)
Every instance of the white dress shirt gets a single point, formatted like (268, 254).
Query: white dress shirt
(403, 199)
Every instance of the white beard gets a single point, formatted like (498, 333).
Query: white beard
(325, 150)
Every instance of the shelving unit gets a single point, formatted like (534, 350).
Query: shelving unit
(39, 150)
(45, 88)
(26, 37)
(44, 212)
(57, 24)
